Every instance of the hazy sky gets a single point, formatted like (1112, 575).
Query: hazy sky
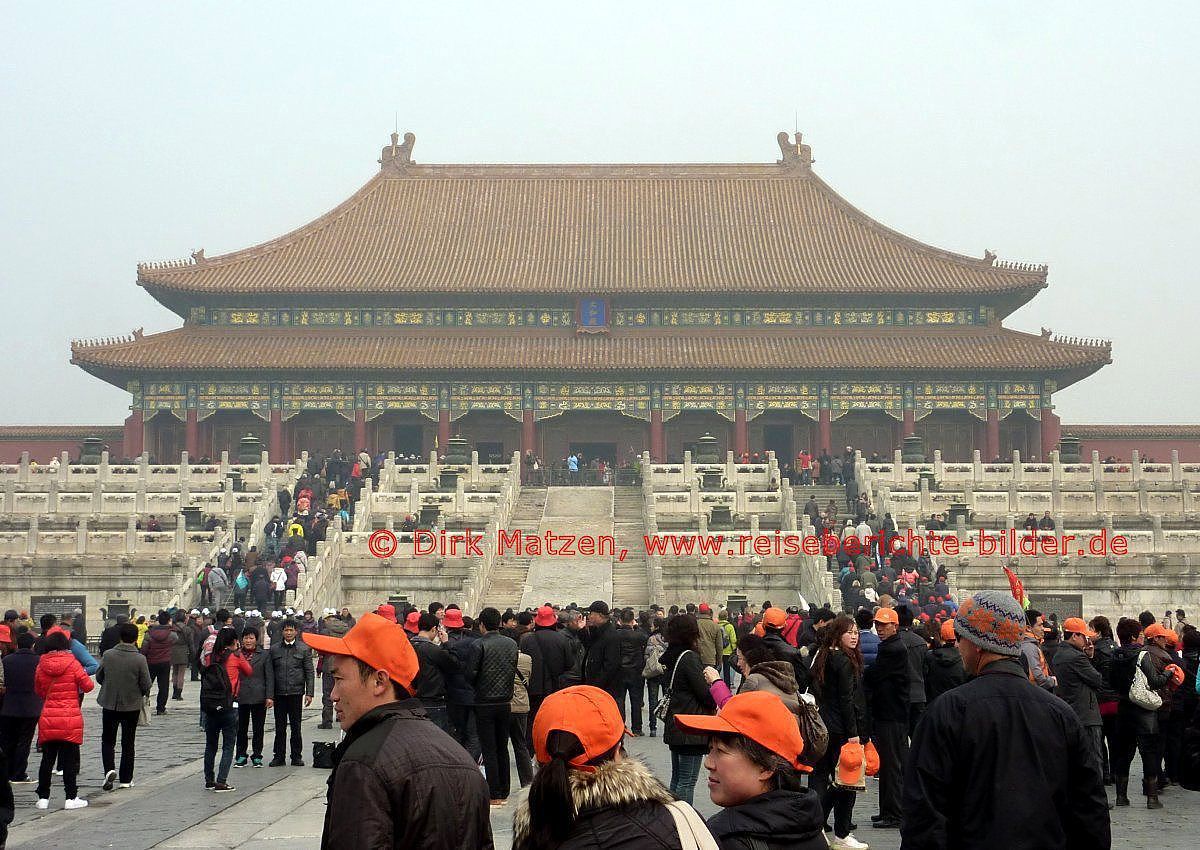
(1063, 133)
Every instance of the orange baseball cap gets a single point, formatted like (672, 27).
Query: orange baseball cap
(948, 634)
(588, 713)
(774, 618)
(374, 641)
(850, 766)
(1076, 626)
(1170, 635)
(1154, 630)
(758, 715)
(887, 615)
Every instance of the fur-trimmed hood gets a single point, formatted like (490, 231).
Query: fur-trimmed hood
(612, 785)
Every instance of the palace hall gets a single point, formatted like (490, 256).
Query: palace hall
(607, 309)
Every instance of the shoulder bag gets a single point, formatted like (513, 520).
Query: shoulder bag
(663, 708)
(1139, 690)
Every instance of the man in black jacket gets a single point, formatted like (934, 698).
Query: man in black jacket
(290, 680)
(1079, 681)
(773, 622)
(917, 648)
(492, 673)
(435, 663)
(550, 651)
(998, 762)
(602, 663)
(887, 683)
(632, 641)
(397, 780)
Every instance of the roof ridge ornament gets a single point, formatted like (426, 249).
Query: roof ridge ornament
(198, 256)
(989, 258)
(794, 152)
(397, 155)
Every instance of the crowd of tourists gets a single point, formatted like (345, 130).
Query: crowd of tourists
(788, 710)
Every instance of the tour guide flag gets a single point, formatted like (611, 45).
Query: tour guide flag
(1018, 589)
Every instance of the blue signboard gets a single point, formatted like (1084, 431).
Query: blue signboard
(593, 313)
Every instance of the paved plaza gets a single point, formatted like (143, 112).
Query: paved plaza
(284, 807)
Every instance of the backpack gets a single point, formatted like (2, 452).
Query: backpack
(216, 690)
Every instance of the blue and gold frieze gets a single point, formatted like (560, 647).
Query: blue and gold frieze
(1022, 395)
(867, 396)
(422, 397)
(254, 396)
(558, 317)
(485, 395)
(317, 396)
(632, 399)
(761, 397)
(700, 395)
(958, 395)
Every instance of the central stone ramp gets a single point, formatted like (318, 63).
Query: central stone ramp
(573, 578)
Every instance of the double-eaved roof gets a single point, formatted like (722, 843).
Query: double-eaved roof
(639, 234)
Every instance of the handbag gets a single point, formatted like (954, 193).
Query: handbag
(812, 730)
(1139, 689)
(663, 707)
(144, 712)
(322, 756)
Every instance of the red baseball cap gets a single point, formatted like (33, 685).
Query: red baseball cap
(588, 713)
(758, 715)
(410, 622)
(452, 619)
(545, 617)
(376, 642)
(704, 608)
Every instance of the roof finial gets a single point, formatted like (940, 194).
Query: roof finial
(794, 152)
(398, 155)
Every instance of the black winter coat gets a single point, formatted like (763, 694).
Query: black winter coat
(493, 668)
(999, 762)
(943, 671)
(917, 650)
(290, 669)
(779, 820)
(400, 782)
(633, 650)
(841, 699)
(784, 651)
(887, 682)
(434, 663)
(1079, 683)
(20, 700)
(602, 662)
(690, 695)
(458, 688)
(550, 651)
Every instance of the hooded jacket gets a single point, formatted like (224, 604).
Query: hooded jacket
(602, 663)
(400, 782)
(1079, 683)
(59, 681)
(776, 820)
(943, 671)
(621, 806)
(158, 643)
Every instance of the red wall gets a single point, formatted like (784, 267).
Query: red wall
(1159, 450)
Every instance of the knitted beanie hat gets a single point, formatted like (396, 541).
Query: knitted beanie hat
(993, 621)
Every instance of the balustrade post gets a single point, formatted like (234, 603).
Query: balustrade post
(81, 533)
(31, 536)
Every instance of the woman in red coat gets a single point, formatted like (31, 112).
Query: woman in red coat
(59, 681)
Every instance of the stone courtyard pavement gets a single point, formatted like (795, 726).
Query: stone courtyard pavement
(284, 807)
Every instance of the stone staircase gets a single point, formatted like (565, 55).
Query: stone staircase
(506, 585)
(823, 493)
(631, 587)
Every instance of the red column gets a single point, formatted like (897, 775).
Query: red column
(741, 440)
(443, 431)
(528, 433)
(134, 435)
(360, 430)
(991, 443)
(824, 431)
(1051, 432)
(910, 423)
(656, 436)
(191, 435)
(276, 448)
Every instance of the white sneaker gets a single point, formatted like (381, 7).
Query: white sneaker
(126, 785)
(77, 803)
(110, 779)
(43, 804)
(57, 772)
(848, 843)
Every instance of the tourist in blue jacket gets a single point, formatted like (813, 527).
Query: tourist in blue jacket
(868, 641)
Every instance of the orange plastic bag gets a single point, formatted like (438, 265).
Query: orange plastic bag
(872, 759)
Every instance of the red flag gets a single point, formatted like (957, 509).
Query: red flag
(1018, 589)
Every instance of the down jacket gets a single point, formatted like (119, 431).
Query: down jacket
(620, 806)
(59, 681)
(157, 644)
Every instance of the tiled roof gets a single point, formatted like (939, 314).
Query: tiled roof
(593, 230)
(200, 348)
(1141, 431)
(58, 432)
